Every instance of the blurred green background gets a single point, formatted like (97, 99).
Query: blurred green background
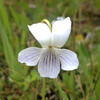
(20, 82)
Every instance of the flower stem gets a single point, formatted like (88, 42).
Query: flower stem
(43, 90)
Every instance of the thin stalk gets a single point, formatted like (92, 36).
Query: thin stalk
(74, 48)
(43, 90)
(80, 85)
(74, 31)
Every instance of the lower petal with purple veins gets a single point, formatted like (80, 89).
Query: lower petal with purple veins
(49, 65)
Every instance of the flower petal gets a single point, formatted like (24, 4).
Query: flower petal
(69, 60)
(30, 56)
(49, 65)
(42, 33)
(60, 32)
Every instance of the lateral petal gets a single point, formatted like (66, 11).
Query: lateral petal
(68, 58)
(49, 65)
(60, 32)
(30, 56)
(42, 33)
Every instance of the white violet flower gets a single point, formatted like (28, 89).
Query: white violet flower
(50, 55)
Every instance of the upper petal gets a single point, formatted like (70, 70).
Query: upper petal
(49, 65)
(30, 56)
(42, 33)
(60, 32)
(68, 58)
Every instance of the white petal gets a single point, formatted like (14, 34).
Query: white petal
(60, 32)
(42, 33)
(69, 60)
(30, 56)
(49, 65)
(60, 18)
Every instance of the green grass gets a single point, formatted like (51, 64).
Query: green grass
(20, 82)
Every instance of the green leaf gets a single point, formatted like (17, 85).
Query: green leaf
(9, 54)
(84, 60)
(97, 3)
(97, 90)
(62, 93)
(5, 19)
